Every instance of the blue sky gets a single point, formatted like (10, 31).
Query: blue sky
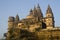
(22, 7)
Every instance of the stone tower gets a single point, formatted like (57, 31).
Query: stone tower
(11, 22)
(34, 23)
(17, 18)
(39, 12)
(49, 18)
(10, 26)
(16, 21)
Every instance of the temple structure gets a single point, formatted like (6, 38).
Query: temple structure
(34, 27)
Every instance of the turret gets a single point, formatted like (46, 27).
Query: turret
(11, 22)
(31, 12)
(49, 18)
(17, 18)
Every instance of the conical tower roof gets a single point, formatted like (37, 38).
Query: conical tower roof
(34, 11)
(17, 18)
(49, 10)
(39, 11)
(38, 7)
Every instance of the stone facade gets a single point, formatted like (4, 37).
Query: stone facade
(34, 25)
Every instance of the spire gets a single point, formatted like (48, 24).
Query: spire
(50, 17)
(38, 6)
(49, 10)
(34, 11)
(17, 18)
(34, 8)
(39, 11)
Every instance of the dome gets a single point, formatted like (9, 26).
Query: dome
(30, 16)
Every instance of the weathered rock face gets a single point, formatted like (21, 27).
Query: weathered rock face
(33, 27)
(43, 34)
(49, 34)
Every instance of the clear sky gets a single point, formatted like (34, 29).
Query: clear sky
(22, 7)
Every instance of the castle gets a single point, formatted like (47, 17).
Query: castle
(34, 22)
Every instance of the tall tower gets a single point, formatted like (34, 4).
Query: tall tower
(10, 26)
(49, 18)
(39, 12)
(35, 12)
(16, 20)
